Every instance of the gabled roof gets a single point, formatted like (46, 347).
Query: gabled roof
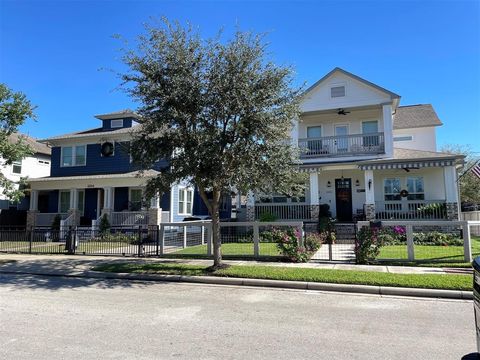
(415, 116)
(126, 113)
(37, 146)
(91, 133)
(358, 78)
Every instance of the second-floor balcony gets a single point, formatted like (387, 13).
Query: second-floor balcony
(342, 145)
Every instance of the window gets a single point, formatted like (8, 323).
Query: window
(415, 188)
(136, 196)
(337, 91)
(403, 138)
(116, 123)
(185, 201)
(314, 146)
(64, 205)
(391, 189)
(370, 127)
(74, 155)
(17, 167)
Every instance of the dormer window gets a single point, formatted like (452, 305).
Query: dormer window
(337, 91)
(117, 123)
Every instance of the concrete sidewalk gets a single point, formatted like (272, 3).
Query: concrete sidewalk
(75, 264)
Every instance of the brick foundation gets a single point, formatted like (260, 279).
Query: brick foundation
(250, 213)
(314, 212)
(452, 211)
(369, 212)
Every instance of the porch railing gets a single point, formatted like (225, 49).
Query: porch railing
(46, 219)
(290, 211)
(411, 210)
(344, 145)
(129, 218)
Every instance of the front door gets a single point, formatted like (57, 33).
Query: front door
(343, 199)
(341, 131)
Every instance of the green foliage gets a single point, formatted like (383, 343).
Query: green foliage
(104, 225)
(267, 217)
(119, 237)
(288, 242)
(368, 247)
(326, 224)
(436, 238)
(15, 109)
(324, 211)
(56, 222)
(219, 111)
(439, 209)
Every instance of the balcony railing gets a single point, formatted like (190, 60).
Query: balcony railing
(129, 218)
(290, 211)
(344, 145)
(411, 210)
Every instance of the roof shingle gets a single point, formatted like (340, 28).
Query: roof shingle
(414, 116)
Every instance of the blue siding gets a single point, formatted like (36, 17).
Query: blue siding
(165, 201)
(120, 199)
(53, 201)
(127, 123)
(90, 210)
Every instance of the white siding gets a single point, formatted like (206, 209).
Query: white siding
(422, 139)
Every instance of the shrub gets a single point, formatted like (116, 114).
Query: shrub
(267, 217)
(314, 241)
(104, 225)
(436, 238)
(56, 222)
(288, 242)
(368, 246)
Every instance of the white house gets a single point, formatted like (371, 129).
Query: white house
(367, 157)
(34, 166)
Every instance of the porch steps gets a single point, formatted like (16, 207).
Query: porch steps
(345, 233)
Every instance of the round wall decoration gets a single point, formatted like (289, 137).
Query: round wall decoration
(404, 193)
(107, 149)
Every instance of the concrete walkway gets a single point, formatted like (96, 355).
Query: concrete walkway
(76, 264)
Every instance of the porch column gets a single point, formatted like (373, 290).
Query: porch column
(388, 129)
(32, 212)
(108, 198)
(250, 206)
(369, 195)
(451, 192)
(155, 211)
(314, 198)
(73, 211)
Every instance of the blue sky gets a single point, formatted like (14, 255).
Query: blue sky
(428, 52)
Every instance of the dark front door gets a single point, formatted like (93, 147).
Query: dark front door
(343, 199)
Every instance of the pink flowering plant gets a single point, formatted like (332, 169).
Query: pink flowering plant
(368, 244)
(289, 243)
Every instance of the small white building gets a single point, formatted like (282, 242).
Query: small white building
(367, 157)
(34, 166)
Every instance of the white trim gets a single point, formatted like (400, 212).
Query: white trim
(335, 85)
(314, 126)
(116, 127)
(186, 190)
(74, 155)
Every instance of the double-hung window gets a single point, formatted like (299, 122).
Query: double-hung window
(391, 189)
(136, 196)
(185, 201)
(415, 188)
(74, 155)
(314, 145)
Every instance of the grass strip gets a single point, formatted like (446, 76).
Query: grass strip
(427, 281)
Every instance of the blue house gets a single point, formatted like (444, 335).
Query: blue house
(92, 174)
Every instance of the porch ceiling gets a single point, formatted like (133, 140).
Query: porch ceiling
(133, 178)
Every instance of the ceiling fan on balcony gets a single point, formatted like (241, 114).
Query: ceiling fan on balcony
(342, 112)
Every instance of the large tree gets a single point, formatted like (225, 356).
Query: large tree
(219, 111)
(15, 109)
(469, 184)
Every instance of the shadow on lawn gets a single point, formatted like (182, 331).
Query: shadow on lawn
(23, 274)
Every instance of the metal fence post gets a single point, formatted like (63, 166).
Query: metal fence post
(467, 246)
(30, 235)
(410, 245)
(139, 241)
(209, 239)
(184, 237)
(161, 236)
(203, 233)
(302, 234)
(256, 239)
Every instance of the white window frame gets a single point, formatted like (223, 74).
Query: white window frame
(390, 194)
(17, 163)
(314, 126)
(115, 127)
(338, 86)
(74, 155)
(415, 186)
(183, 205)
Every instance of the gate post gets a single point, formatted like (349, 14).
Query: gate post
(184, 237)
(467, 248)
(209, 239)
(139, 240)
(256, 239)
(410, 245)
(30, 239)
(161, 238)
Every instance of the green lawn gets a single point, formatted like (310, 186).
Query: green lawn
(232, 249)
(431, 254)
(430, 281)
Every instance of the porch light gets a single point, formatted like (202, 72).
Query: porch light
(369, 184)
(329, 184)
(357, 182)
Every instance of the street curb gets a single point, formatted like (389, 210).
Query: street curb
(298, 285)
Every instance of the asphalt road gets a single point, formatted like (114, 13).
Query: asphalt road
(58, 318)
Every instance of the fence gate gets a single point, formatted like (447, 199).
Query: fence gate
(341, 249)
